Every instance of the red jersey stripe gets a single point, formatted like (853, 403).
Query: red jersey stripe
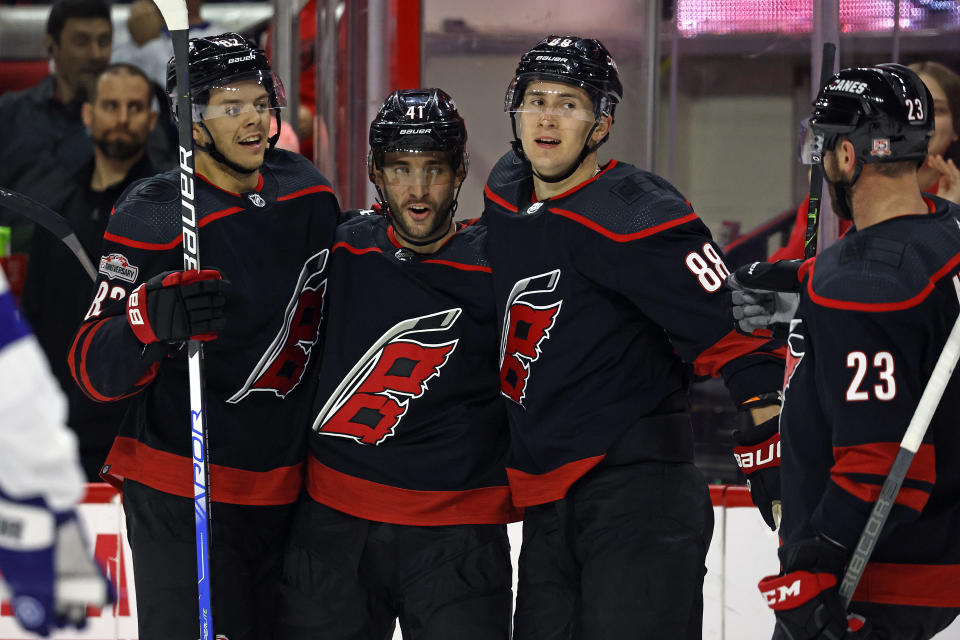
(884, 306)
(173, 474)
(317, 188)
(877, 458)
(918, 585)
(86, 385)
(730, 347)
(915, 499)
(344, 245)
(383, 503)
(500, 201)
(461, 266)
(530, 489)
(610, 165)
(623, 237)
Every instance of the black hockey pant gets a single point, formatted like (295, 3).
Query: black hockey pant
(346, 578)
(247, 552)
(895, 622)
(621, 557)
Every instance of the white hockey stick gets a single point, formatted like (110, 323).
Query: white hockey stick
(908, 447)
(175, 15)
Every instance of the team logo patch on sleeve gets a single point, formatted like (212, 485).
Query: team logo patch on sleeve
(116, 267)
(525, 327)
(370, 401)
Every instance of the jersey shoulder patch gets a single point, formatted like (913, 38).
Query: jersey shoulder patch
(625, 201)
(148, 211)
(359, 230)
(891, 264)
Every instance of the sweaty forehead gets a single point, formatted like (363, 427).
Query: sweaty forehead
(243, 91)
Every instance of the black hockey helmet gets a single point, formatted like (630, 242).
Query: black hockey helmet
(418, 120)
(218, 61)
(885, 111)
(581, 62)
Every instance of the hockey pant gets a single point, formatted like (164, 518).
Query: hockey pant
(621, 556)
(346, 578)
(895, 622)
(247, 551)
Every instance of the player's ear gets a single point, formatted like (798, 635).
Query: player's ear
(603, 128)
(199, 134)
(846, 156)
(48, 45)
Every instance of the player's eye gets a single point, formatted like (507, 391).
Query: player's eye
(232, 110)
(261, 106)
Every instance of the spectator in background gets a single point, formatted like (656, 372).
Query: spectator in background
(47, 116)
(937, 176)
(119, 116)
(146, 42)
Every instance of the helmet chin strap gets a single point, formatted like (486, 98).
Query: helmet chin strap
(586, 151)
(217, 155)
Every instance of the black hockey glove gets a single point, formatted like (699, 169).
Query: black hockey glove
(758, 456)
(765, 295)
(176, 306)
(805, 597)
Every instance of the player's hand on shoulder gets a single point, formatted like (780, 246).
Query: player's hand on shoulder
(176, 306)
(49, 572)
(805, 597)
(764, 295)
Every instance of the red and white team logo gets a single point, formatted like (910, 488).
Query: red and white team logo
(795, 351)
(282, 364)
(525, 327)
(373, 397)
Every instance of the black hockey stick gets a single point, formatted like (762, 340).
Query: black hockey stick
(50, 220)
(175, 15)
(908, 447)
(816, 171)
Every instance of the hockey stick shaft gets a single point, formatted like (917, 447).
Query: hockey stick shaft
(175, 15)
(816, 171)
(916, 430)
(50, 220)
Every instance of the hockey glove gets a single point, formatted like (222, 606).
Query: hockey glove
(176, 306)
(47, 568)
(805, 598)
(758, 456)
(765, 295)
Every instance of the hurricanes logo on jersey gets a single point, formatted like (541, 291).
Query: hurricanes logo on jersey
(282, 365)
(373, 397)
(525, 327)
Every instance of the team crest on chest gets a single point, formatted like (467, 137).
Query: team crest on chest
(257, 200)
(371, 400)
(525, 327)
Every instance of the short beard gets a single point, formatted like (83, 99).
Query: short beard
(441, 223)
(119, 149)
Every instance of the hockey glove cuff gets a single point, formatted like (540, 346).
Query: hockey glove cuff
(805, 598)
(758, 455)
(47, 567)
(176, 306)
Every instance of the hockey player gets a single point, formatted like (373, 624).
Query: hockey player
(407, 492)
(41, 545)
(875, 309)
(606, 283)
(266, 220)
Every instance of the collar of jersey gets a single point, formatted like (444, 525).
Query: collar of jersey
(258, 188)
(610, 165)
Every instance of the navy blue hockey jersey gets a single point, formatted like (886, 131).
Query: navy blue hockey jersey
(876, 308)
(408, 424)
(603, 293)
(272, 244)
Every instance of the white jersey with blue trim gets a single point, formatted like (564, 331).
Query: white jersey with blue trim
(38, 453)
